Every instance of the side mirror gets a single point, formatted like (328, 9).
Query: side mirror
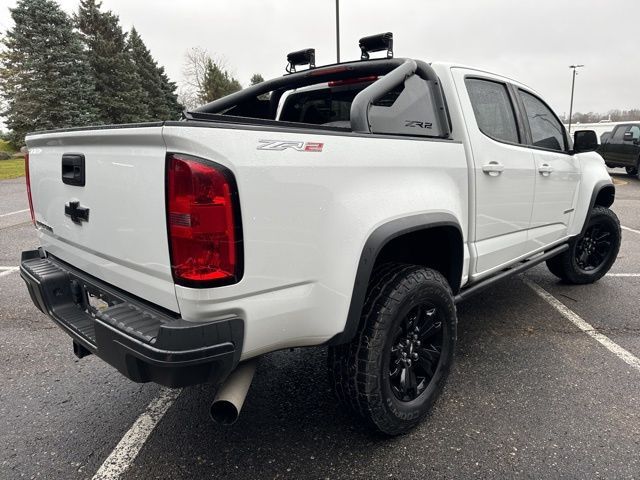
(628, 136)
(585, 141)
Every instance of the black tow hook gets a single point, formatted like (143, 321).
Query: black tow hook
(77, 293)
(80, 351)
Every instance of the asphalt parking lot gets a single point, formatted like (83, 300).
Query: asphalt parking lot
(531, 395)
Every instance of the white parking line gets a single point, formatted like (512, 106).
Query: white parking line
(128, 448)
(574, 318)
(13, 213)
(629, 229)
(623, 275)
(7, 270)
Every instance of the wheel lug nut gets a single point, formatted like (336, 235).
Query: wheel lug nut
(414, 356)
(418, 343)
(408, 363)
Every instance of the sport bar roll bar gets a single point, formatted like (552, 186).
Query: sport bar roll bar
(364, 99)
(361, 103)
(384, 66)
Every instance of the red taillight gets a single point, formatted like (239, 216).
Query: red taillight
(203, 220)
(28, 179)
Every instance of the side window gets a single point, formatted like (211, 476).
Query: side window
(493, 109)
(635, 132)
(618, 134)
(546, 129)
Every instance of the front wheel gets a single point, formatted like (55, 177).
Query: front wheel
(590, 256)
(396, 366)
(632, 171)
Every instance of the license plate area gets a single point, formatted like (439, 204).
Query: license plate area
(97, 301)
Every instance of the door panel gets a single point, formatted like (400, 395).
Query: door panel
(504, 170)
(614, 151)
(629, 148)
(557, 173)
(557, 179)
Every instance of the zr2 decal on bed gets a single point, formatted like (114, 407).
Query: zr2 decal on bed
(280, 145)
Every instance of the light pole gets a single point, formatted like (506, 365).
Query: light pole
(573, 84)
(338, 31)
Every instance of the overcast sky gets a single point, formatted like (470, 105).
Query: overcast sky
(533, 41)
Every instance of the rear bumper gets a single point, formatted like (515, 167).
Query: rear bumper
(144, 342)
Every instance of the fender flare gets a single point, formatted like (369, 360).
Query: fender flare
(609, 190)
(381, 236)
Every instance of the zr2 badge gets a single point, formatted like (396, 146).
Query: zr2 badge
(281, 145)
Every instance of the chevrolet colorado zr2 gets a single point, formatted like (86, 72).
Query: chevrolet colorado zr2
(349, 205)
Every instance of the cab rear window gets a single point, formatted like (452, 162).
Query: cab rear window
(329, 106)
(318, 107)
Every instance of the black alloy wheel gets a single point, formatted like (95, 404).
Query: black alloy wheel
(590, 256)
(396, 366)
(595, 248)
(416, 350)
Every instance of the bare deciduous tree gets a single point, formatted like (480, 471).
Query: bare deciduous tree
(196, 86)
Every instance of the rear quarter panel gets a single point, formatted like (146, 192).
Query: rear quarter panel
(306, 217)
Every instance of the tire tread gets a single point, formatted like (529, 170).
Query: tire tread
(353, 366)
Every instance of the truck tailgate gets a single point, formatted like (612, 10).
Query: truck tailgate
(123, 239)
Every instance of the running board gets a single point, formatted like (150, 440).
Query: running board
(519, 268)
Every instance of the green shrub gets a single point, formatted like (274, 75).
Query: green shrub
(5, 146)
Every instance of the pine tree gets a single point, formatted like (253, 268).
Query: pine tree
(256, 78)
(159, 92)
(171, 97)
(44, 78)
(120, 97)
(216, 83)
(147, 70)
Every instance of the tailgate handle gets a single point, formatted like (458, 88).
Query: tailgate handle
(73, 169)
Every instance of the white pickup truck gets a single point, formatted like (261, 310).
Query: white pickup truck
(351, 206)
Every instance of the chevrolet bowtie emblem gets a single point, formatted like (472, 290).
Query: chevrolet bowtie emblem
(77, 213)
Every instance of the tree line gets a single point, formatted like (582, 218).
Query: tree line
(611, 116)
(59, 71)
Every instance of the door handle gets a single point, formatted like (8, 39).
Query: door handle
(545, 169)
(493, 168)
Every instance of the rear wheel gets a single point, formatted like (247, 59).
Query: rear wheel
(590, 256)
(396, 366)
(632, 171)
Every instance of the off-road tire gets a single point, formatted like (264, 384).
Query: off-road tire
(565, 266)
(359, 371)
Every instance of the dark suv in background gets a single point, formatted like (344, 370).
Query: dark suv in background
(621, 148)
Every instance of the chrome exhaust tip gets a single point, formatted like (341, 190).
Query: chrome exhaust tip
(227, 404)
